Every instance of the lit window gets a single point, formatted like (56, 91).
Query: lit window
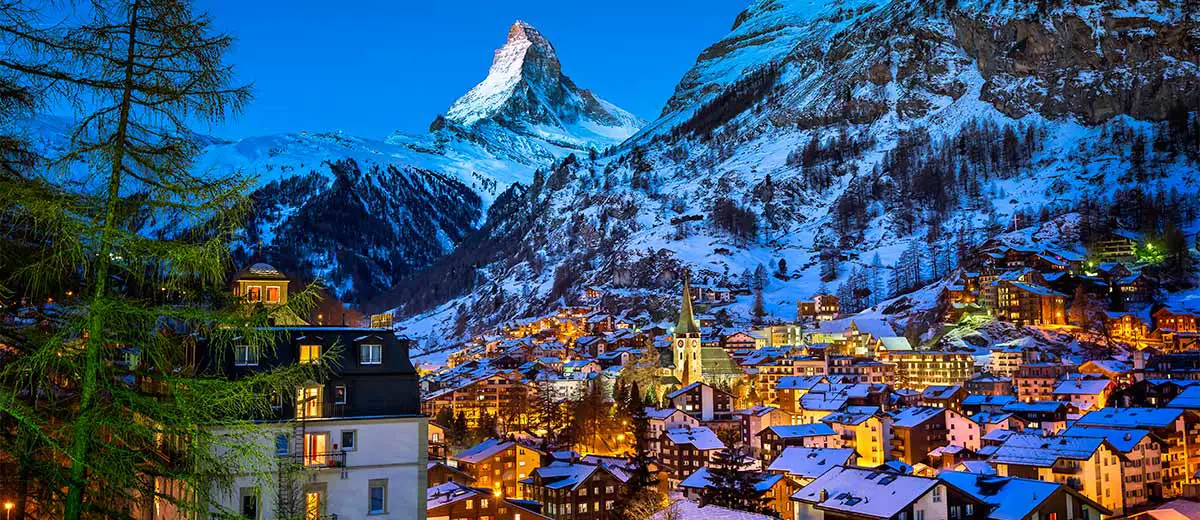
(310, 353)
(254, 293)
(272, 295)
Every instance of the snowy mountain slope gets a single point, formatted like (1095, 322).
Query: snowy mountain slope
(362, 213)
(888, 130)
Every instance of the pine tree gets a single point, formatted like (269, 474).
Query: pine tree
(118, 387)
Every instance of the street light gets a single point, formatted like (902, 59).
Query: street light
(8, 510)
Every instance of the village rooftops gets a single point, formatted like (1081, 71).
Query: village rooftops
(1011, 498)
(485, 450)
(568, 475)
(1082, 386)
(874, 327)
(1034, 407)
(702, 479)
(940, 391)
(662, 413)
(1124, 440)
(1028, 449)
(799, 431)
(1036, 289)
(798, 382)
(988, 400)
(864, 492)
(811, 462)
(757, 411)
(451, 492)
(1131, 417)
(1189, 399)
(991, 418)
(701, 438)
(847, 417)
(914, 416)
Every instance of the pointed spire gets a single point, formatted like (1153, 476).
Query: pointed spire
(686, 323)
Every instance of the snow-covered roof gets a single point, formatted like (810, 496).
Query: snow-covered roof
(567, 475)
(1131, 417)
(1036, 289)
(865, 492)
(1082, 387)
(662, 413)
(702, 478)
(1123, 440)
(701, 438)
(482, 451)
(991, 418)
(687, 510)
(988, 400)
(1189, 399)
(940, 391)
(1033, 407)
(1034, 450)
(914, 415)
(798, 431)
(811, 462)
(1012, 498)
(448, 493)
(798, 382)
(894, 343)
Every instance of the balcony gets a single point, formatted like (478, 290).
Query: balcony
(318, 460)
(1066, 470)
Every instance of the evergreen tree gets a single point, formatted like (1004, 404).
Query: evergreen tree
(111, 368)
(640, 499)
(731, 486)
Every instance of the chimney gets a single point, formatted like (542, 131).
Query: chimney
(823, 495)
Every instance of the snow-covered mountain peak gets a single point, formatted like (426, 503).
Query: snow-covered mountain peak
(526, 92)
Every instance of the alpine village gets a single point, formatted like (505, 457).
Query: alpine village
(874, 260)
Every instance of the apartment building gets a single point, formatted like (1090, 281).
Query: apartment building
(917, 369)
(499, 465)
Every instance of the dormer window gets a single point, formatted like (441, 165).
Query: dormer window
(245, 356)
(370, 354)
(309, 354)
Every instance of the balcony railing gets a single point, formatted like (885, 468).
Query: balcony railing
(1066, 470)
(329, 459)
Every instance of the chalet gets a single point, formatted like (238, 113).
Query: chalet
(1180, 328)
(775, 438)
(806, 464)
(1012, 498)
(949, 397)
(864, 430)
(1085, 393)
(663, 419)
(457, 501)
(1047, 415)
(686, 449)
(773, 488)
(916, 431)
(1030, 304)
(437, 441)
(1141, 460)
(710, 294)
(703, 401)
(1087, 464)
(576, 491)
(854, 493)
(439, 472)
(744, 340)
(1036, 381)
(499, 465)
(1175, 427)
(822, 307)
(755, 420)
(1133, 327)
(1117, 245)
(991, 385)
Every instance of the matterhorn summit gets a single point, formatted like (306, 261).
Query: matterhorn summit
(526, 92)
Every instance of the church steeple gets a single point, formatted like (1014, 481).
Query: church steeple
(686, 323)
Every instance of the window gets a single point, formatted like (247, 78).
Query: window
(920, 514)
(378, 497)
(254, 293)
(937, 494)
(370, 354)
(272, 295)
(281, 444)
(310, 353)
(339, 394)
(349, 440)
(245, 356)
(250, 503)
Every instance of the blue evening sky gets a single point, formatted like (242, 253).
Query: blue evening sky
(370, 67)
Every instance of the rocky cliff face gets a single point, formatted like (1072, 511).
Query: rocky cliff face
(849, 146)
(1094, 63)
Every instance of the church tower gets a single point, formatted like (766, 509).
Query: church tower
(686, 341)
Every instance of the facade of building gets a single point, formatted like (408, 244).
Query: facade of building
(918, 369)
